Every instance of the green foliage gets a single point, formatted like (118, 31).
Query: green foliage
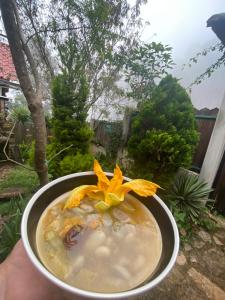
(143, 65)
(187, 199)
(69, 112)
(20, 114)
(76, 163)
(219, 48)
(25, 149)
(163, 135)
(69, 125)
(11, 229)
(20, 177)
(12, 210)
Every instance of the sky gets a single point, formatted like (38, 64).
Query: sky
(182, 25)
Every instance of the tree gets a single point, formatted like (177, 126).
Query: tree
(143, 65)
(30, 82)
(163, 135)
(70, 143)
(69, 113)
(97, 30)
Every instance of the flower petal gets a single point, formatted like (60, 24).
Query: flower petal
(113, 199)
(141, 187)
(96, 195)
(101, 205)
(103, 181)
(116, 181)
(78, 194)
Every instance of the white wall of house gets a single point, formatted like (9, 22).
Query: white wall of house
(215, 148)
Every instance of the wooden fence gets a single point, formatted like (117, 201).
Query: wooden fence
(205, 119)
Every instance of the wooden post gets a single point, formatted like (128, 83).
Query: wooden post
(215, 149)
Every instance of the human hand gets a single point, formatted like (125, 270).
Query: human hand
(21, 281)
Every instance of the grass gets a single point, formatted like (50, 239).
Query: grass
(13, 209)
(20, 177)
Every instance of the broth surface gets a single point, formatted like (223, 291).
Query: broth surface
(106, 252)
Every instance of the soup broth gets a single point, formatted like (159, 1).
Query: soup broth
(110, 251)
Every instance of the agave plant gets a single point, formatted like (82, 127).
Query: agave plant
(189, 194)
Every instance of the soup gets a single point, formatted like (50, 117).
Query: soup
(107, 252)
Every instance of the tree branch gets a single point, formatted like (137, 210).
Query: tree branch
(54, 156)
(50, 30)
(6, 155)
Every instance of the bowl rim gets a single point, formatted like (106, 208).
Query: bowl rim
(94, 295)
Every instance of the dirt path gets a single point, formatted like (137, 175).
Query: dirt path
(5, 169)
(199, 273)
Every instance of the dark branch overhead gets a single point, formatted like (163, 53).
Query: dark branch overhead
(217, 23)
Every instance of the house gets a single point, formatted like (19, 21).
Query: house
(8, 78)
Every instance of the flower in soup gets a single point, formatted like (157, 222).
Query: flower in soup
(110, 192)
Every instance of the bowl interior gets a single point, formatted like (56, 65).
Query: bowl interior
(70, 182)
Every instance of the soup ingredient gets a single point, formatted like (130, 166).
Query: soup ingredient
(109, 192)
(102, 251)
(72, 236)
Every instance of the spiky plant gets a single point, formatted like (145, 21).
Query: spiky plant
(188, 195)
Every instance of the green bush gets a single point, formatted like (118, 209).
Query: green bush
(76, 163)
(25, 150)
(163, 135)
(11, 229)
(71, 133)
(69, 113)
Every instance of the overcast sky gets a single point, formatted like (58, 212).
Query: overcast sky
(182, 25)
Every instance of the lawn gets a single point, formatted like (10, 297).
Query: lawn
(11, 210)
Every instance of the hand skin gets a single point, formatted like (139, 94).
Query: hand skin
(19, 280)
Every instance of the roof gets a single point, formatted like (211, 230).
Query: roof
(7, 69)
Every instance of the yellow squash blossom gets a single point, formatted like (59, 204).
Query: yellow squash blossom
(110, 192)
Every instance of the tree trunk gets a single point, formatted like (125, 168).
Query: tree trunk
(21, 61)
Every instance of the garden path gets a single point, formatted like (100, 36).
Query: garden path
(199, 272)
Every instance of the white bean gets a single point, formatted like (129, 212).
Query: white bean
(102, 251)
(92, 217)
(139, 262)
(86, 207)
(96, 239)
(78, 263)
(107, 220)
(122, 271)
(120, 215)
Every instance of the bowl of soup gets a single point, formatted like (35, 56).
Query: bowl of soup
(120, 253)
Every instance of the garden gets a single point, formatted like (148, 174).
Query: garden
(69, 66)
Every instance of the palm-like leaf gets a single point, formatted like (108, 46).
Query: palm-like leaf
(189, 194)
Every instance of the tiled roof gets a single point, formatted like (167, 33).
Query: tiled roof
(7, 69)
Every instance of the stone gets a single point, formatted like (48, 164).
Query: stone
(183, 232)
(211, 290)
(193, 259)
(198, 244)
(181, 259)
(217, 241)
(205, 236)
(187, 247)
